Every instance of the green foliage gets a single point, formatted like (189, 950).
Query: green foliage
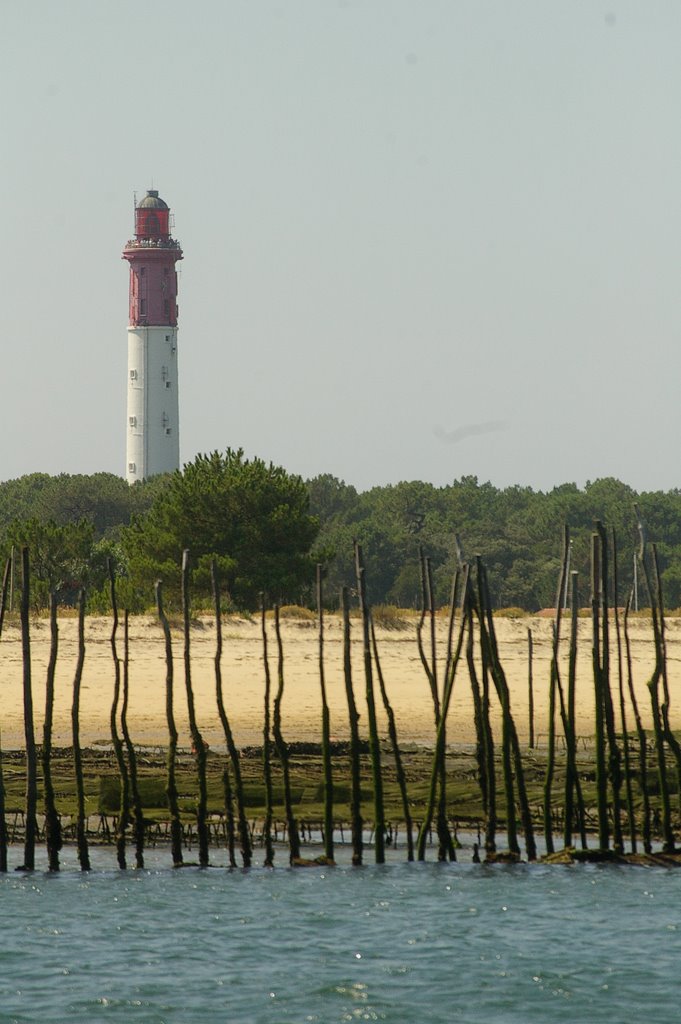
(104, 500)
(516, 530)
(59, 557)
(252, 516)
(255, 518)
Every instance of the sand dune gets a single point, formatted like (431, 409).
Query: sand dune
(243, 676)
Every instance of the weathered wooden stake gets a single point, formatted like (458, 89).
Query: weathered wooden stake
(282, 747)
(244, 834)
(81, 828)
(31, 758)
(530, 689)
(642, 738)
(440, 739)
(53, 837)
(596, 656)
(623, 716)
(3, 820)
(129, 746)
(484, 747)
(197, 739)
(171, 785)
(501, 686)
(394, 742)
(326, 731)
(266, 743)
(614, 759)
(124, 809)
(353, 716)
(374, 743)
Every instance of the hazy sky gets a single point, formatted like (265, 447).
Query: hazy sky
(422, 238)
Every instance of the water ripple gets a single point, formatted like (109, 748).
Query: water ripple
(404, 943)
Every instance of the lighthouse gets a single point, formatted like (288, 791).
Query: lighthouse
(153, 441)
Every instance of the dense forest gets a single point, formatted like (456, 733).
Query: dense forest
(75, 523)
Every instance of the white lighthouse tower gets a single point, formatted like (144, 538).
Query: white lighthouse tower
(153, 441)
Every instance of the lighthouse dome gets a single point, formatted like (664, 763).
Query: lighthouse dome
(152, 201)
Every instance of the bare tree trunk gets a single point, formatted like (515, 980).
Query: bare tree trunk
(506, 756)
(392, 732)
(614, 760)
(446, 847)
(668, 733)
(226, 781)
(171, 785)
(244, 834)
(555, 687)
(642, 738)
(601, 776)
(3, 820)
(485, 739)
(124, 810)
(53, 836)
(266, 742)
(501, 686)
(623, 716)
(441, 732)
(572, 727)
(282, 747)
(326, 732)
(132, 757)
(31, 758)
(81, 821)
(374, 744)
(530, 689)
(197, 739)
(355, 778)
(659, 673)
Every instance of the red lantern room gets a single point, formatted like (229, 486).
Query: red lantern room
(152, 255)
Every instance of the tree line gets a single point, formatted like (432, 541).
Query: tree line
(268, 528)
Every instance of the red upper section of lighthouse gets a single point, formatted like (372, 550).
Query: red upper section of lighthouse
(152, 255)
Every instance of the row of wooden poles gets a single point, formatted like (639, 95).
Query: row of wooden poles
(470, 621)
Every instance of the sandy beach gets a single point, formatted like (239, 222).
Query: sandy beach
(243, 679)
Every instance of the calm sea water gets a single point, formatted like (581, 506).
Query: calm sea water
(401, 943)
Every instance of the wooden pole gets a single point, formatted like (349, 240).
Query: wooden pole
(614, 758)
(394, 742)
(374, 744)
(501, 686)
(3, 820)
(353, 716)
(484, 737)
(129, 746)
(530, 688)
(31, 758)
(171, 784)
(623, 715)
(244, 834)
(326, 731)
(197, 739)
(441, 732)
(554, 687)
(53, 837)
(573, 787)
(81, 821)
(282, 747)
(668, 732)
(506, 757)
(596, 657)
(266, 742)
(641, 733)
(124, 810)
